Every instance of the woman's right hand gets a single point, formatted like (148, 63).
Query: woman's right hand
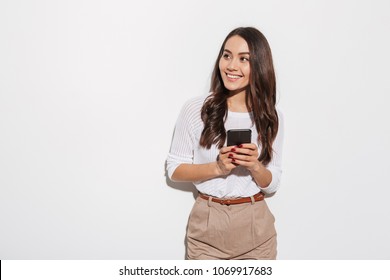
(225, 161)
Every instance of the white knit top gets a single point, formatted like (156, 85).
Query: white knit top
(185, 148)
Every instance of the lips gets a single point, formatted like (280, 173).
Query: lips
(233, 77)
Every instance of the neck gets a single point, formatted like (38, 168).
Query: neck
(237, 102)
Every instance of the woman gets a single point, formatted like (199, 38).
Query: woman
(230, 219)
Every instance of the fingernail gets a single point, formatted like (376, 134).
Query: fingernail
(230, 155)
(233, 160)
(240, 146)
(233, 150)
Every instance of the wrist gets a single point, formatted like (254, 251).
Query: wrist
(258, 167)
(217, 169)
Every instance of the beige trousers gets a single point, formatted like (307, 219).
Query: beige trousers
(241, 231)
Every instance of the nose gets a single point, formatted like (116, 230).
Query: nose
(232, 65)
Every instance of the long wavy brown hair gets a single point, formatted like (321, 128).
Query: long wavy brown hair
(260, 96)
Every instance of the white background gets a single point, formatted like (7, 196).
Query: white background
(89, 96)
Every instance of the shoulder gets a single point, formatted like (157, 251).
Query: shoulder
(192, 107)
(196, 102)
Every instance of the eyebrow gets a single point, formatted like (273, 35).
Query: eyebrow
(241, 53)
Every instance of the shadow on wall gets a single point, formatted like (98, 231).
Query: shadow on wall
(185, 187)
(181, 186)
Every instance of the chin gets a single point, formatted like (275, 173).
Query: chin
(236, 89)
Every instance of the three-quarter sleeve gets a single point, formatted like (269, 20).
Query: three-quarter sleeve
(183, 142)
(275, 165)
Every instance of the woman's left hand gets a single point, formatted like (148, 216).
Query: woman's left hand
(247, 156)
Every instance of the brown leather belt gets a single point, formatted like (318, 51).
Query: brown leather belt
(257, 197)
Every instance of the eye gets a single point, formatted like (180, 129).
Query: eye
(226, 56)
(244, 59)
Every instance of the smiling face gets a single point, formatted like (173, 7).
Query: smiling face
(234, 64)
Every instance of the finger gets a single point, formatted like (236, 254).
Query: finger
(233, 163)
(249, 149)
(242, 157)
(227, 156)
(231, 147)
(229, 161)
(245, 163)
(250, 146)
(225, 150)
(226, 159)
(240, 162)
(243, 151)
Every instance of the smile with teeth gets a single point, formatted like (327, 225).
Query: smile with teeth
(231, 76)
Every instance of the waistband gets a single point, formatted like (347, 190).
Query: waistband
(229, 201)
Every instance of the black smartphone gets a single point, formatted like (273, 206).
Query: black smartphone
(238, 136)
